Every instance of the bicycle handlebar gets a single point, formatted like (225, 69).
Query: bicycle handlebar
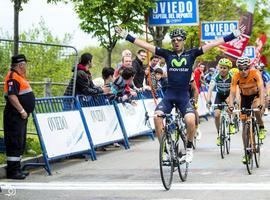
(246, 110)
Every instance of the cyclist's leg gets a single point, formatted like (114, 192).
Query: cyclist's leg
(246, 102)
(187, 111)
(258, 114)
(217, 109)
(165, 106)
(217, 119)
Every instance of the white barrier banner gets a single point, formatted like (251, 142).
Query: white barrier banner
(202, 107)
(150, 107)
(103, 124)
(63, 133)
(133, 118)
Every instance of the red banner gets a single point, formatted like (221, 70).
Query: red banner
(260, 41)
(236, 47)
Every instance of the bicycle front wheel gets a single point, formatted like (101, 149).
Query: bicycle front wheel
(181, 153)
(222, 137)
(257, 144)
(248, 148)
(166, 160)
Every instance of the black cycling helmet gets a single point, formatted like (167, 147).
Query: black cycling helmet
(178, 33)
(243, 61)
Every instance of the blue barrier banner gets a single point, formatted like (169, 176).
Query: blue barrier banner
(217, 29)
(249, 52)
(174, 12)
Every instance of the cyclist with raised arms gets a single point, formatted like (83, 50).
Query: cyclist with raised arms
(222, 81)
(251, 91)
(179, 69)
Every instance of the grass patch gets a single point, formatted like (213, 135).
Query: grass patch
(32, 147)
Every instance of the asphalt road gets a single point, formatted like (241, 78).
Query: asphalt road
(134, 174)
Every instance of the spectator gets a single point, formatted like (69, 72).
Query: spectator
(154, 63)
(138, 66)
(121, 90)
(107, 75)
(126, 62)
(159, 82)
(124, 53)
(84, 83)
(20, 102)
(162, 64)
(199, 75)
(209, 75)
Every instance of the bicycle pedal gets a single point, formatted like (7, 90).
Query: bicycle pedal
(166, 163)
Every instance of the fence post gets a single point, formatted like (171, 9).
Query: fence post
(48, 85)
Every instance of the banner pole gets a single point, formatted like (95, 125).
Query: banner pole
(148, 61)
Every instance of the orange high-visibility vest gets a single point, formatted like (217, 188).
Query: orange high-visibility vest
(24, 84)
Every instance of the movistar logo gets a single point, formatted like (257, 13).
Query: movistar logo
(176, 63)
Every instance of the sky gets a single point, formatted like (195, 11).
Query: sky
(59, 18)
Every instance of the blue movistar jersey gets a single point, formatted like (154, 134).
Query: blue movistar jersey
(179, 67)
(265, 77)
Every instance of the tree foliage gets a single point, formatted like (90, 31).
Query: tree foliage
(45, 61)
(101, 16)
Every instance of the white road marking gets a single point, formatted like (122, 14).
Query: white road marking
(134, 186)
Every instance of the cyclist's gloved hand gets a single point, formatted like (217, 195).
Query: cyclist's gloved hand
(209, 104)
(121, 32)
(230, 109)
(260, 107)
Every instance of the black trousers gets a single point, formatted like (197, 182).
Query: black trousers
(15, 138)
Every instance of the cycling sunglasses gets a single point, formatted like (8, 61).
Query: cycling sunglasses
(222, 67)
(178, 39)
(243, 68)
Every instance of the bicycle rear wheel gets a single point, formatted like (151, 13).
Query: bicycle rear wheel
(166, 161)
(181, 153)
(222, 137)
(248, 149)
(257, 144)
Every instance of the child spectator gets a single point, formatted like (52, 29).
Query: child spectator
(121, 87)
(158, 81)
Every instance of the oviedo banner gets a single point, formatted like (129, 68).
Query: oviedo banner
(216, 29)
(174, 12)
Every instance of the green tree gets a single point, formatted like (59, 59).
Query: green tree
(17, 9)
(100, 18)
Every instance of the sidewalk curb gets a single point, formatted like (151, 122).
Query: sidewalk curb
(24, 161)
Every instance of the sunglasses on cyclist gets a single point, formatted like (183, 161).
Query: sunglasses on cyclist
(221, 67)
(243, 68)
(178, 39)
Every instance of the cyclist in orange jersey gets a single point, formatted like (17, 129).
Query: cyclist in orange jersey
(251, 88)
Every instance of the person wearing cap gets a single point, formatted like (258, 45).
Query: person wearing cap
(250, 84)
(179, 69)
(20, 102)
